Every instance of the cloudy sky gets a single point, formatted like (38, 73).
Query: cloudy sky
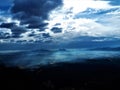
(64, 21)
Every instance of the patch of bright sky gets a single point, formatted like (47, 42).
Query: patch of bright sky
(83, 26)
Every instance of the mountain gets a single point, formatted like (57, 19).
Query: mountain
(108, 49)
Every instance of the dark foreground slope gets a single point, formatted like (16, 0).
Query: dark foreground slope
(92, 75)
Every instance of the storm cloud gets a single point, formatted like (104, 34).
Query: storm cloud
(16, 30)
(7, 25)
(56, 30)
(33, 12)
(29, 14)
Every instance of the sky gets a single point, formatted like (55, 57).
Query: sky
(59, 21)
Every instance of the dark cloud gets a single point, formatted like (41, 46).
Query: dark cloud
(46, 35)
(30, 20)
(56, 30)
(17, 31)
(7, 25)
(4, 35)
(38, 26)
(33, 11)
(30, 13)
(31, 34)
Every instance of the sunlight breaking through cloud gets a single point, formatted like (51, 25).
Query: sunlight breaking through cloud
(65, 20)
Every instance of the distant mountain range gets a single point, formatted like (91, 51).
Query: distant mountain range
(108, 48)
